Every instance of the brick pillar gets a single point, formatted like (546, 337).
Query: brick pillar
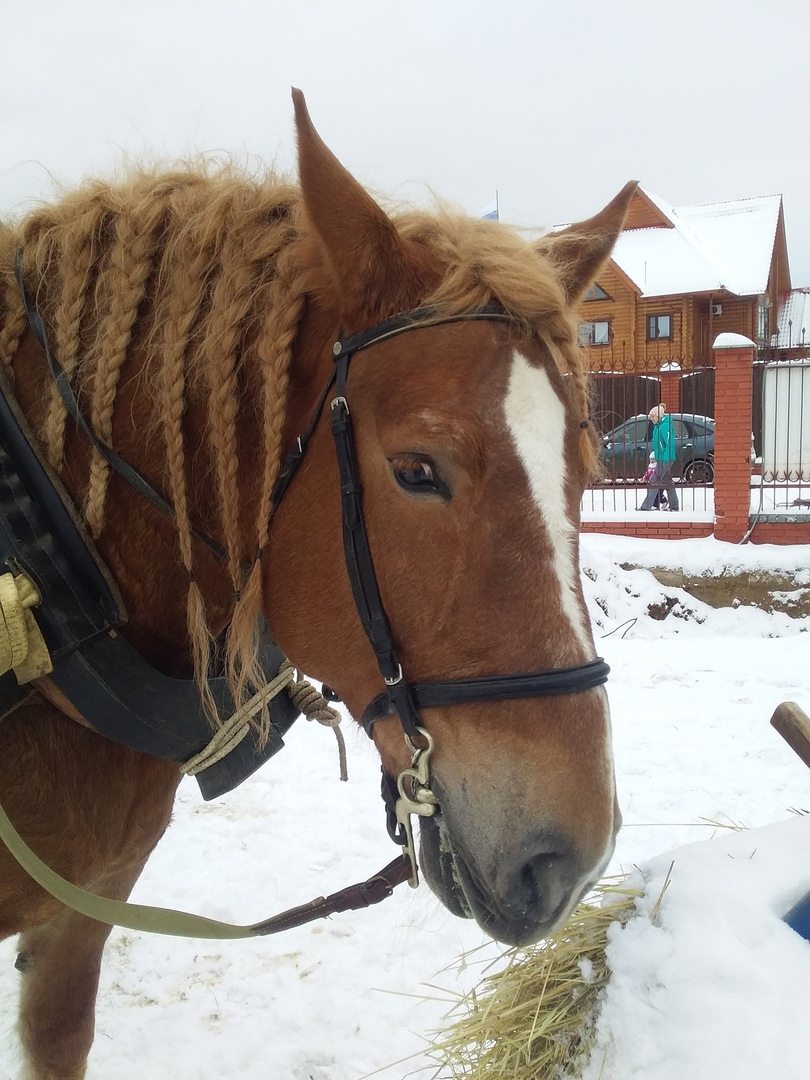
(670, 376)
(733, 392)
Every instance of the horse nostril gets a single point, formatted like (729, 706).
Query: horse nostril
(540, 878)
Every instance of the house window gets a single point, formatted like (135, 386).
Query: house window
(594, 333)
(596, 292)
(659, 327)
(763, 320)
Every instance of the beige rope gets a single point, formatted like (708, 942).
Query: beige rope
(22, 647)
(302, 694)
(315, 707)
(237, 726)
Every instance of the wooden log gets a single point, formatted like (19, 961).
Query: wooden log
(793, 724)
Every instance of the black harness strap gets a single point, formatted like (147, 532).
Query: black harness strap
(568, 680)
(402, 698)
(359, 563)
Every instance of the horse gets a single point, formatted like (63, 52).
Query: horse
(197, 315)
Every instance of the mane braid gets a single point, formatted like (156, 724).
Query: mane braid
(130, 261)
(75, 266)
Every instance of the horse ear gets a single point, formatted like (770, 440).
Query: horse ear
(360, 245)
(579, 251)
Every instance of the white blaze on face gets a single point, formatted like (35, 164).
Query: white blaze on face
(535, 417)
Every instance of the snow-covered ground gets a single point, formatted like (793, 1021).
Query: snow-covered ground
(717, 991)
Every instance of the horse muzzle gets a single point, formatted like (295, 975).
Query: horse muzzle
(518, 893)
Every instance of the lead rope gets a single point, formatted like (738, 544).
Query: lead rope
(302, 694)
(175, 923)
(314, 706)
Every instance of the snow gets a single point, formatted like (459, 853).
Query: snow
(715, 990)
(715, 246)
(717, 959)
(728, 340)
(662, 262)
(739, 234)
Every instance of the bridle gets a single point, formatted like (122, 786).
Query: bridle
(411, 793)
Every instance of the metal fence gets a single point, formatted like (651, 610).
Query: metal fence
(780, 479)
(621, 403)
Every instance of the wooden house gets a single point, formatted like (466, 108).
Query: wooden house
(679, 276)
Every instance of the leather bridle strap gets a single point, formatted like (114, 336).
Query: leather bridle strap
(359, 565)
(568, 680)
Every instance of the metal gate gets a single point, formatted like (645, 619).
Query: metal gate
(618, 396)
(697, 392)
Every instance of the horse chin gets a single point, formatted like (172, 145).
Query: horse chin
(452, 878)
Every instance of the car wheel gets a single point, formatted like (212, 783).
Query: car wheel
(698, 472)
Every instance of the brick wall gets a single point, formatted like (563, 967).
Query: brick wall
(733, 395)
(778, 532)
(671, 388)
(668, 529)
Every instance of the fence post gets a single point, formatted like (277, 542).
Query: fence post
(670, 375)
(733, 393)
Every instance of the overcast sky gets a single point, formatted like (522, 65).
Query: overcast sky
(554, 105)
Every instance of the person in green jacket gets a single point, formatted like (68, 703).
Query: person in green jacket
(663, 446)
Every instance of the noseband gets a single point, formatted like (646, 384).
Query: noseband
(411, 793)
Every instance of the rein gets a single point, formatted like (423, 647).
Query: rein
(410, 794)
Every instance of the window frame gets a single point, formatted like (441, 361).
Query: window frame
(593, 323)
(588, 299)
(661, 315)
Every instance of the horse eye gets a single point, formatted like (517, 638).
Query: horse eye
(417, 474)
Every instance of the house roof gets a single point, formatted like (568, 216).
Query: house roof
(706, 248)
(794, 319)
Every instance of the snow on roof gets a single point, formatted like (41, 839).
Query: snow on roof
(742, 232)
(794, 319)
(714, 246)
(662, 262)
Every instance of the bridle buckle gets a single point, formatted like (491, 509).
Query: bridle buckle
(394, 680)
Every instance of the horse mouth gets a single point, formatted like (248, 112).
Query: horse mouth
(457, 882)
(442, 868)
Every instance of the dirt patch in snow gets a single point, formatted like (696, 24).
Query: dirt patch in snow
(768, 591)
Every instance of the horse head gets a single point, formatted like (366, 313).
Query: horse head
(472, 451)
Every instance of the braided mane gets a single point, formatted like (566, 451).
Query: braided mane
(202, 273)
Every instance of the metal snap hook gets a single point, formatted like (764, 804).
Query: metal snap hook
(420, 801)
